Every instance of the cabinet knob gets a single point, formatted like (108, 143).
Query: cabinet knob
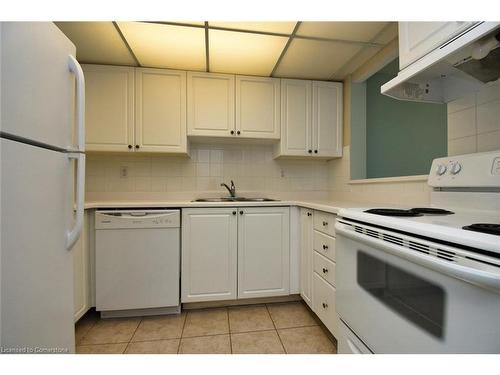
(241, 212)
(234, 212)
(232, 132)
(310, 151)
(137, 147)
(325, 247)
(129, 147)
(315, 151)
(309, 214)
(238, 132)
(325, 223)
(325, 305)
(325, 270)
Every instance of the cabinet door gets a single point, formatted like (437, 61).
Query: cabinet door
(160, 111)
(327, 118)
(324, 303)
(263, 252)
(258, 107)
(296, 132)
(209, 254)
(210, 101)
(109, 107)
(306, 252)
(81, 272)
(416, 39)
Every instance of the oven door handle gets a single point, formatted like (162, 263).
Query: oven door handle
(482, 278)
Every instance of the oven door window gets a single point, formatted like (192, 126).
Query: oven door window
(418, 300)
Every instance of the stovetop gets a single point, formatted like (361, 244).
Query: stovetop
(487, 228)
(451, 225)
(412, 212)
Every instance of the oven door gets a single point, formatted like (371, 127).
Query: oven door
(395, 305)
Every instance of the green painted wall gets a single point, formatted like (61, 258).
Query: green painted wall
(402, 137)
(358, 131)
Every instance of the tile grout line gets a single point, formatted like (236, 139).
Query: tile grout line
(133, 334)
(182, 332)
(229, 328)
(276, 329)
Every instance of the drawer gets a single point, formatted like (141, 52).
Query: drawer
(324, 267)
(324, 303)
(325, 222)
(325, 245)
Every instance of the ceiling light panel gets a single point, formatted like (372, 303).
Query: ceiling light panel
(268, 27)
(356, 31)
(97, 43)
(166, 46)
(312, 59)
(244, 53)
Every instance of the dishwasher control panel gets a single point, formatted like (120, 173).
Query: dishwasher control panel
(129, 219)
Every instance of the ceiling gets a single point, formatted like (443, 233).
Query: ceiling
(309, 50)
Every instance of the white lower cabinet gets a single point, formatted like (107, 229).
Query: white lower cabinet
(230, 253)
(263, 252)
(317, 265)
(81, 272)
(306, 252)
(209, 254)
(324, 303)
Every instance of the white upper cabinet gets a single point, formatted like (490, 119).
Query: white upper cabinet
(327, 118)
(416, 39)
(296, 130)
(210, 102)
(311, 119)
(209, 254)
(160, 111)
(109, 107)
(257, 107)
(263, 252)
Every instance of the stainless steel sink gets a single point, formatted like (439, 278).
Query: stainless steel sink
(235, 199)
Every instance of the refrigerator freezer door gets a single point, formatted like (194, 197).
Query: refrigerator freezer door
(38, 88)
(36, 267)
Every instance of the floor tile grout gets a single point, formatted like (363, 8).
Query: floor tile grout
(229, 328)
(277, 333)
(182, 332)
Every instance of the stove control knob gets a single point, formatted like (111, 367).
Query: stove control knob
(455, 168)
(441, 169)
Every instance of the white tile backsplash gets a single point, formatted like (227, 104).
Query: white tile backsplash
(459, 146)
(474, 122)
(251, 167)
(462, 123)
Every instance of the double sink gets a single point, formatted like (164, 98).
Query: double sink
(235, 199)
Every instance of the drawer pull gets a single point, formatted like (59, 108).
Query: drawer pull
(325, 305)
(325, 270)
(325, 223)
(325, 247)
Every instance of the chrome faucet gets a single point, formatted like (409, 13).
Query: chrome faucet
(232, 189)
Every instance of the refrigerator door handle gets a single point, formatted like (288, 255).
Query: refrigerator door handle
(74, 233)
(75, 67)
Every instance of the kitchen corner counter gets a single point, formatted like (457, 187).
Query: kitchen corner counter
(320, 205)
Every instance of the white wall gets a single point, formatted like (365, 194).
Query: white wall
(408, 193)
(250, 166)
(474, 122)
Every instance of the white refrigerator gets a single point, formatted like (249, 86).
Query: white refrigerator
(42, 186)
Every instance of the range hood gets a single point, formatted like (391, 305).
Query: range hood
(463, 65)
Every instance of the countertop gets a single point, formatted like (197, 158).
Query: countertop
(321, 205)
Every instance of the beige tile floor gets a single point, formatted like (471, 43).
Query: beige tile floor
(276, 328)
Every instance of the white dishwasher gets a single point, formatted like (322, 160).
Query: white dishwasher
(137, 262)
